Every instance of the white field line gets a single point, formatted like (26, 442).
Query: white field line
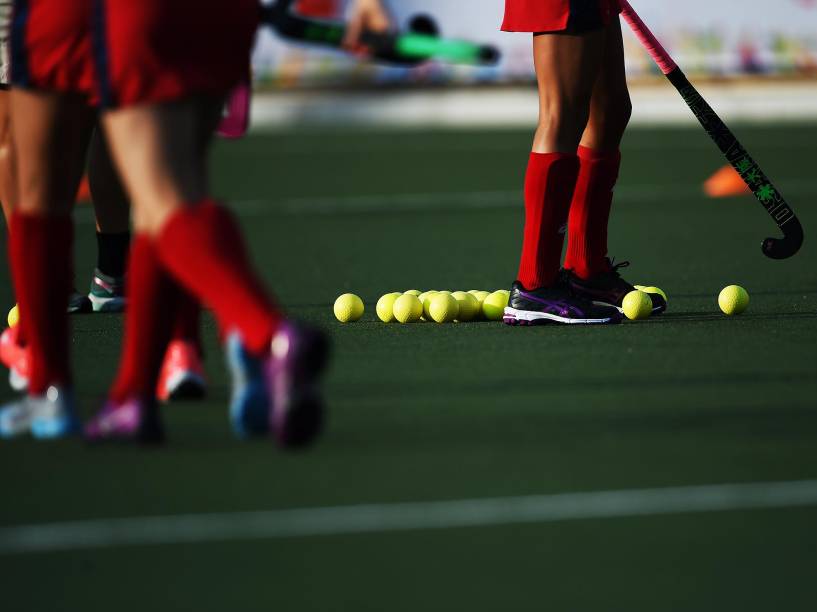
(397, 517)
(389, 203)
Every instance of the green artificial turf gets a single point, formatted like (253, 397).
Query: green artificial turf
(432, 412)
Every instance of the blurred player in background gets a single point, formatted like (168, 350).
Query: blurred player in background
(160, 71)
(110, 204)
(584, 108)
(182, 373)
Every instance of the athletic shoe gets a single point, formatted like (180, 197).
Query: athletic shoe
(181, 376)
(278, 393)
(16, 358)
(609, 289)
(107, 293)
(48, 416)
(129, 421)
(554, 304)
(250, 400)
(78, 303)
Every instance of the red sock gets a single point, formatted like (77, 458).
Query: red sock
(186, 317)
(590, 212)
(203, 249)
(549, 183)
(41, 256)
(148, 322)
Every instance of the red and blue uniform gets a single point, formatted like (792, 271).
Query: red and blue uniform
(558, 15)
(125, 52)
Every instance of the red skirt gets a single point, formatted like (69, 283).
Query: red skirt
(126, 52)
(558, 15)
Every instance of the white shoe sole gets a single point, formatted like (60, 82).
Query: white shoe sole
(530, 316)
(101, 304)
(17, 381)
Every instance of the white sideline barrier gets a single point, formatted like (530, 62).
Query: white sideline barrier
(653, 104)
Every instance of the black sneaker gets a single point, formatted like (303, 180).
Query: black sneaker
(107, 293)
(609, 289)
(79, 303)
(555, 304)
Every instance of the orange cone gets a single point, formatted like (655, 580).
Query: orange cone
(725, 183)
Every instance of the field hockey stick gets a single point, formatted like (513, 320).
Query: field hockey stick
(766, 193)
(397, 48)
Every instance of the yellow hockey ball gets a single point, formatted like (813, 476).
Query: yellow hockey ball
(443, 307)
(407, 308)
(385, 307)
(637, 305)
(493, 306)
(657, 290)
(468, 305)
(348, 307)
(13, 316)
(733, 300)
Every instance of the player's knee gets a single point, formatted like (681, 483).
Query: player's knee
(562, 124)
(624, 111)
(5, 140)
(617, 111)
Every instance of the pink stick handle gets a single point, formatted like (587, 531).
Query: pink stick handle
(647, 38)
(237, 118)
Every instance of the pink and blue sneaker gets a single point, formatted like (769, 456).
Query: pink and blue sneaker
(278, 394)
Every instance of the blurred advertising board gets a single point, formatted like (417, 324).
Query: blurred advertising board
(708, 38)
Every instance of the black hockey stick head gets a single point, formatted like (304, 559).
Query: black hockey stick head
(424, 24)
(788, 245)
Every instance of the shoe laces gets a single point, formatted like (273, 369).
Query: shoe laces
(615, 267)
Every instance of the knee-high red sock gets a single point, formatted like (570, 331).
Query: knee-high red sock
(549, 183)
(186, 317)
(40, 250)
(590, 212)
(148, 322)
(203, 249)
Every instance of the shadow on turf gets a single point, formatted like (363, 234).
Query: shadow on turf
(800, 292)
(680, 317)
(386, 390)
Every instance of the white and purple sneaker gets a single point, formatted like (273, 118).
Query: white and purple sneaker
(278, 394)
(555, 304)
(133, 420)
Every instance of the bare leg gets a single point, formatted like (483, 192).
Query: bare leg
(111, 204)
(8, 185)
(50, 136)
(567, 66)
(161, 152)
(610, 106)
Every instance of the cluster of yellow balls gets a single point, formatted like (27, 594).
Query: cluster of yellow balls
(445, 306)
(439, 306)
(637, 304)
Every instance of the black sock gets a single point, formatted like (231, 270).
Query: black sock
(112, 253)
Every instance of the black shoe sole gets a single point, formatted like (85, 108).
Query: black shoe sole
(189, 390)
